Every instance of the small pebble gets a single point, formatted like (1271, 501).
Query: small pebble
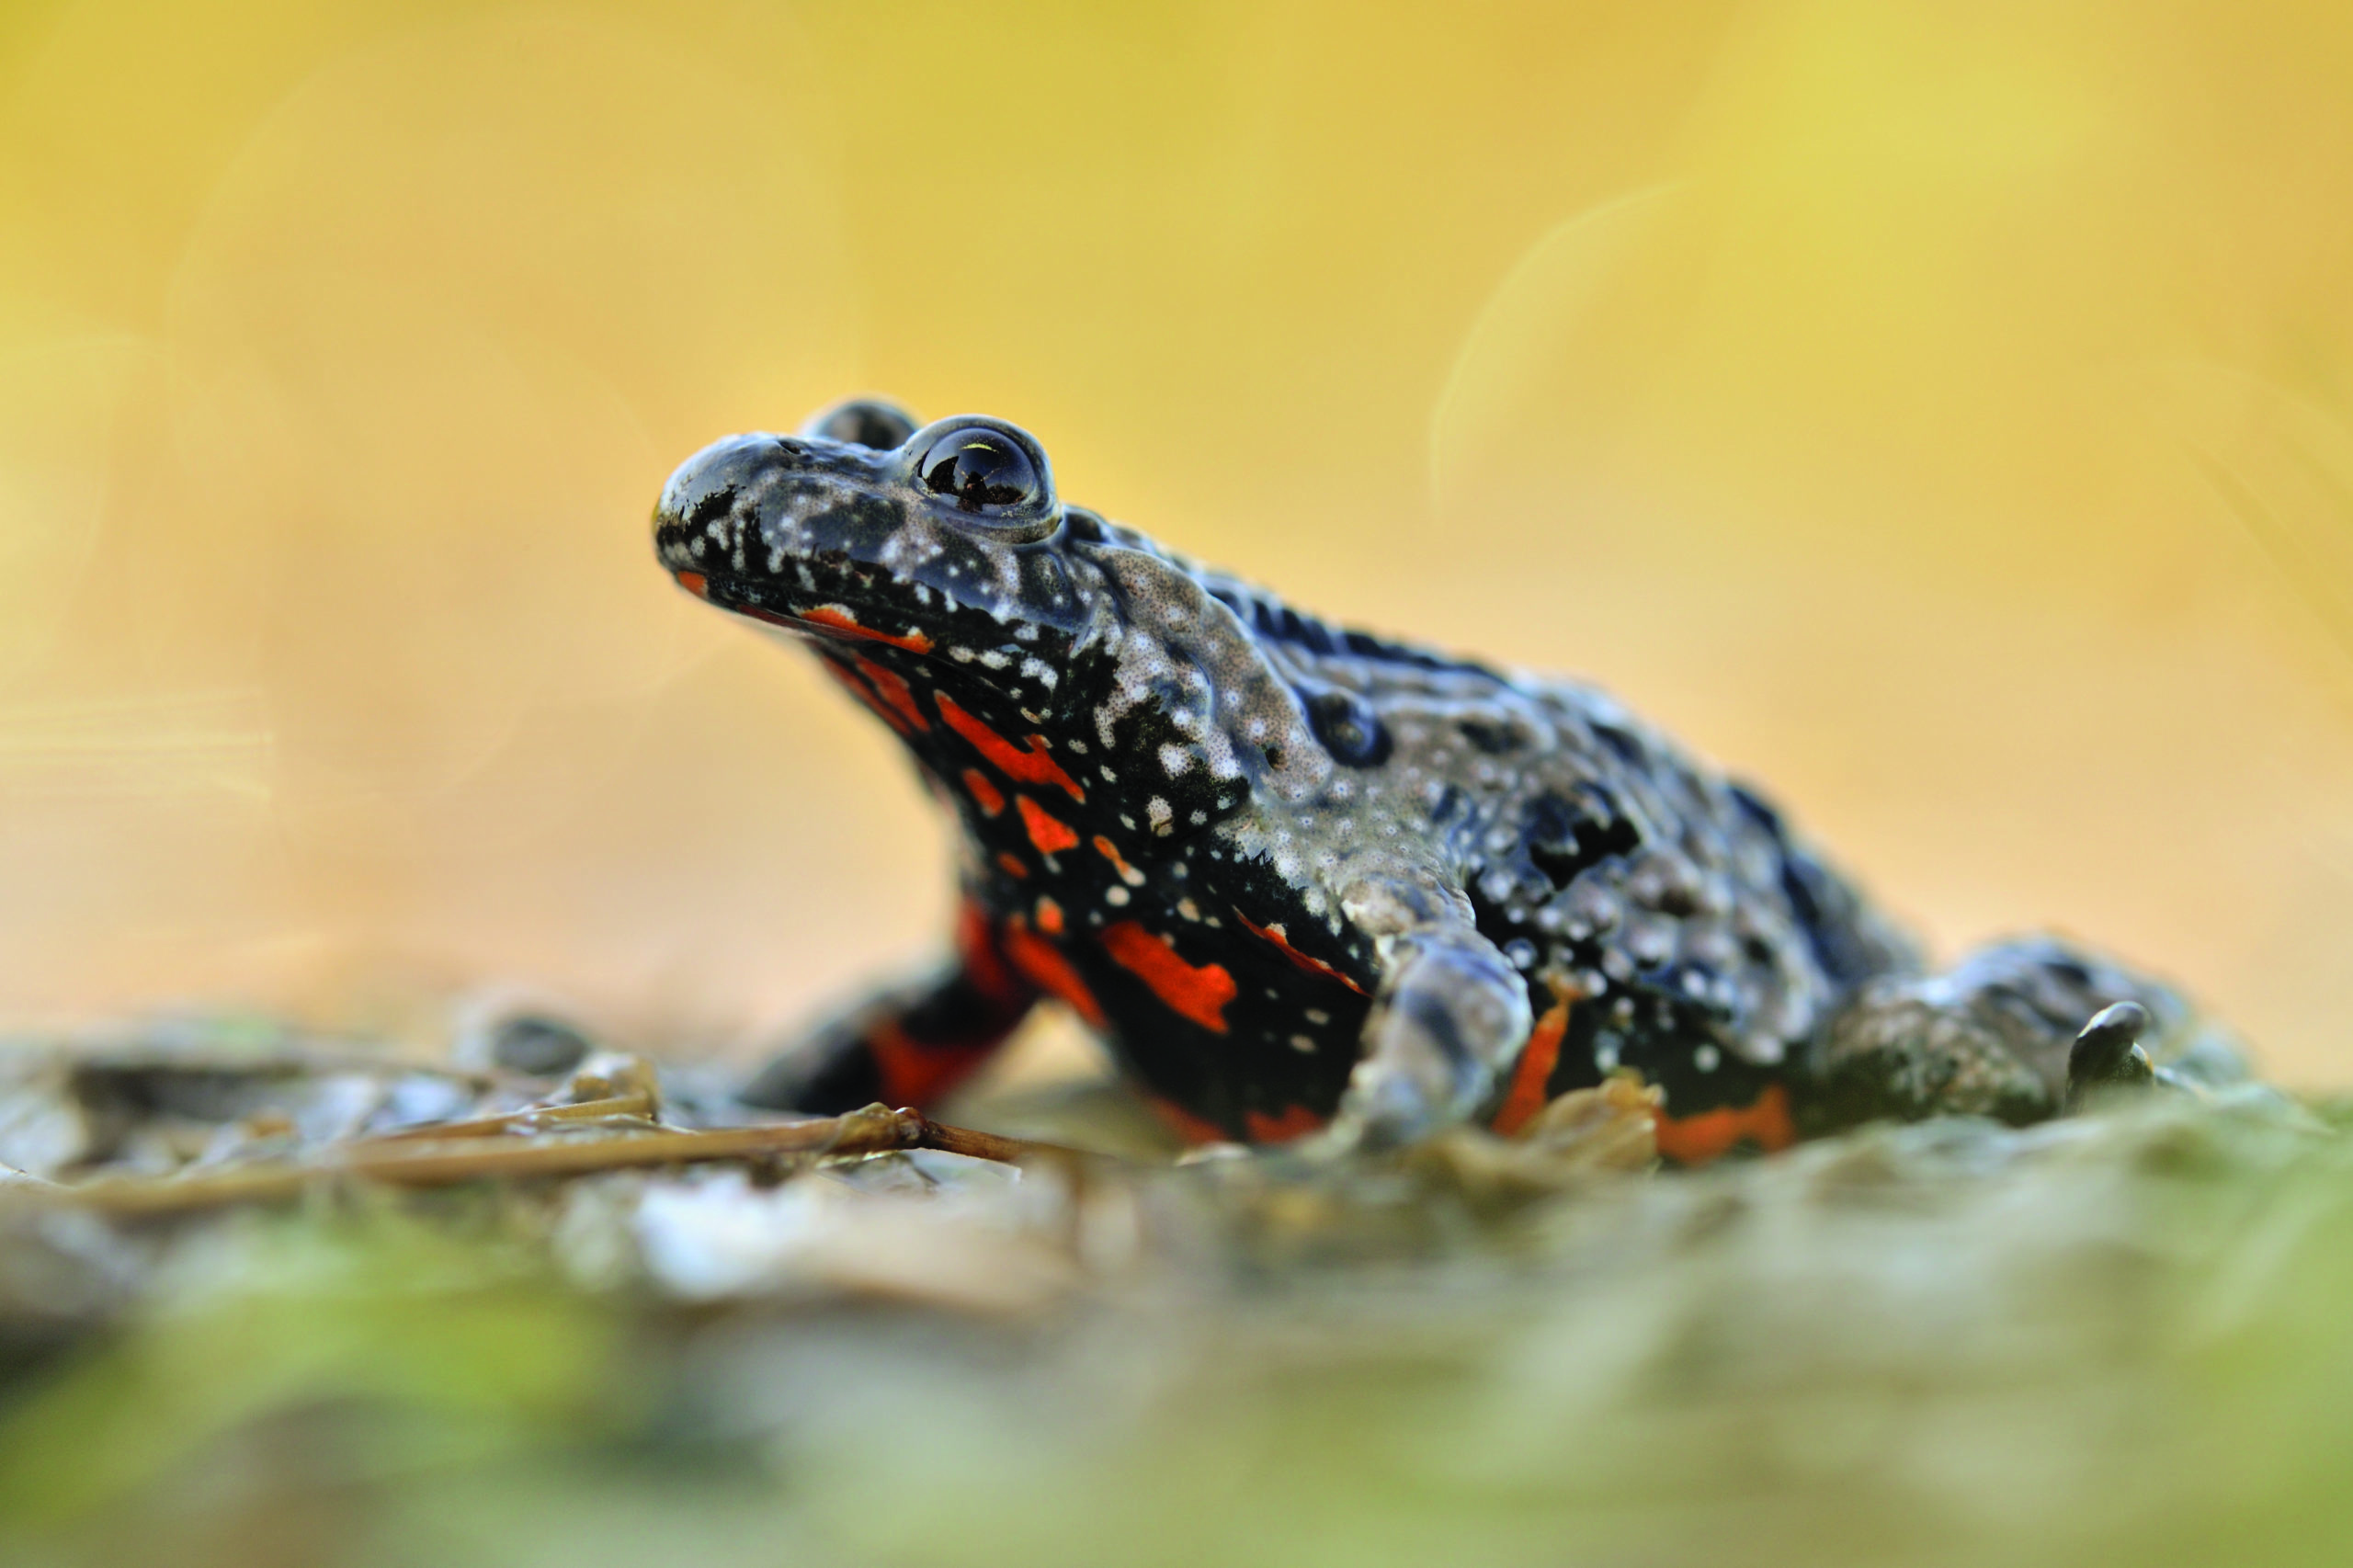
(541, 1047)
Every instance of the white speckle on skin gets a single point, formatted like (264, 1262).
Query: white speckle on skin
(1316, 1015)
(1706, 1058)
(1303, 1045)
(1116, 897)
(1161, 814)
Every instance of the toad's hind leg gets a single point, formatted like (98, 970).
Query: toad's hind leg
(1993, 1036)
(909, 1044)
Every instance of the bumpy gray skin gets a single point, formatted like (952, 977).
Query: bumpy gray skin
(1445, 852)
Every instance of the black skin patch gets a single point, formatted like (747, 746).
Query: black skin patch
(1496, 740)
(713, 508)
(855, 529)
(1570, 832)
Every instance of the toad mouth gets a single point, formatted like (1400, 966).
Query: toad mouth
(837, 621)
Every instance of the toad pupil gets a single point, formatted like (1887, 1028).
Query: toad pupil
(977, 468)
(1302, 880)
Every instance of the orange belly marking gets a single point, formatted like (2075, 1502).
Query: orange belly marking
(916, 1075)
(892, 690)
(1048, 833)
(985, 795)
(838, 618)
(1696, 1139)
(1535, 1069)
(1281, 939)
(1199, 993)
(1185, 1124)
(1110, 851)
(1296, 1121)
(851, 683)
(1031, 766)
(977, 949)
(1046, 969)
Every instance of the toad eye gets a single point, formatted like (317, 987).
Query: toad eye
(863, 422)
(979, 469)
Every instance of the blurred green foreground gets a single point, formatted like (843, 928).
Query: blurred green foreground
(2121, 1338)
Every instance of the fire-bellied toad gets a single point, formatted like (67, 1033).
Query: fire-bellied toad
(1301, 877)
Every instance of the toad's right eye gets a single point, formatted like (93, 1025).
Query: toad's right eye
(979, 469)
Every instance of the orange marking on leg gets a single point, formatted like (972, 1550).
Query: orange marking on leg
(917, 1074)
(1696, 1139)
(1051, 972)
(1276, 935)
(1199, 993)
(1031, 766)
(1537, 1060)
(1296, 1121)
(1110, 851)
(838, 619)
(892, 690)
(1185, 1124)
(1010, 864)
(864, 693)
(985, 795)
(1050, 917)
(1048, 833)
(694, 583)
(978, 950)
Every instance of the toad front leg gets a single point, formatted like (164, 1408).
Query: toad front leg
(1449, 1019)
(910, 1044)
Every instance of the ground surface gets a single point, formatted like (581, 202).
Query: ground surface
(2127, 1337)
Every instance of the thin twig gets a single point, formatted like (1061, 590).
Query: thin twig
(531, 1119)
(417, 1161)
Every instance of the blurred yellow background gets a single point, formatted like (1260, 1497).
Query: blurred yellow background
(1937, 412)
